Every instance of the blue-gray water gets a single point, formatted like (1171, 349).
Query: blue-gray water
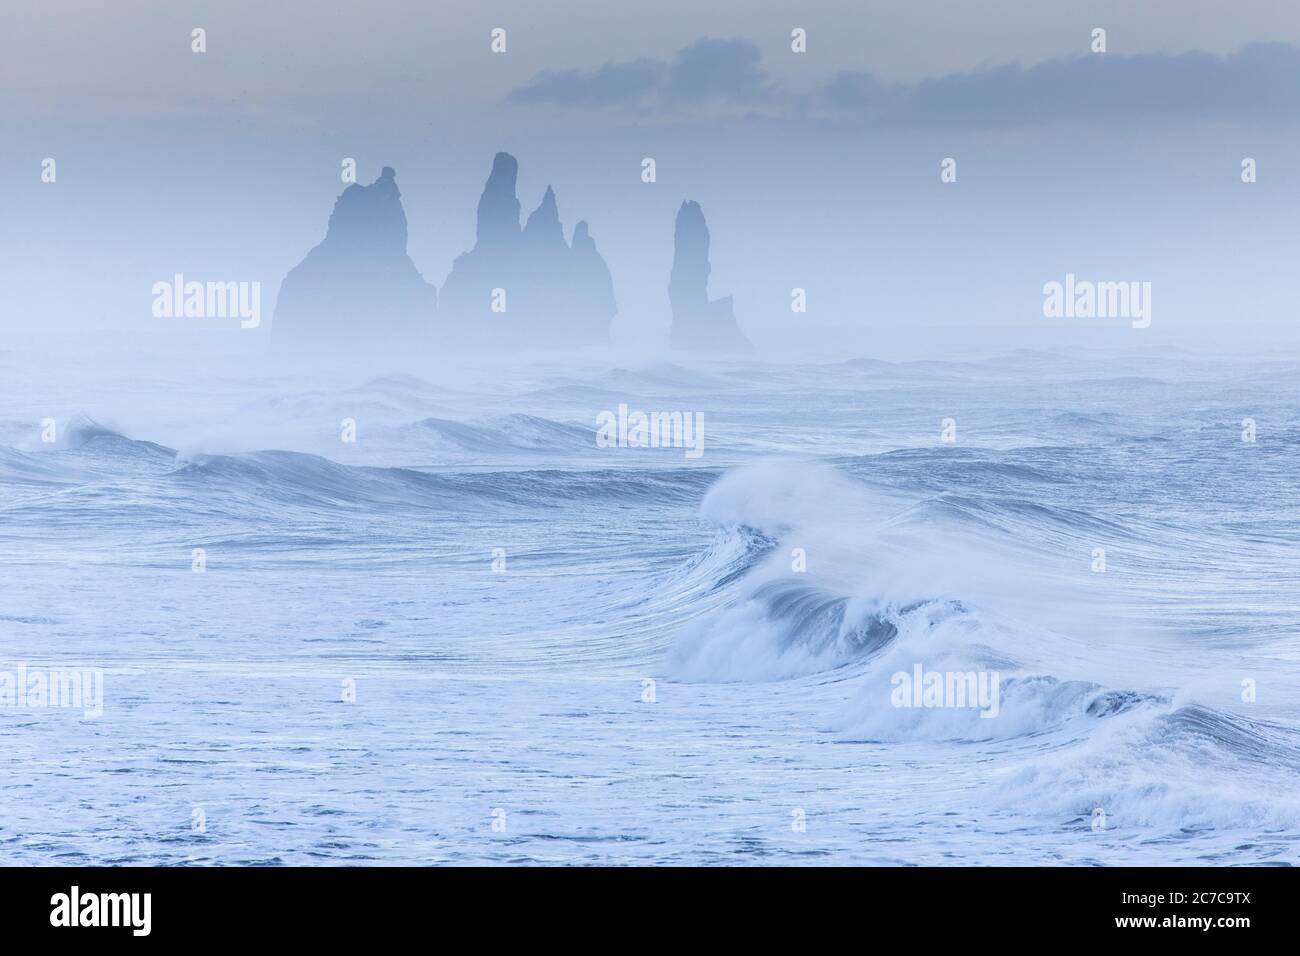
(500, 592)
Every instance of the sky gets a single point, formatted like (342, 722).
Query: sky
(817, 170)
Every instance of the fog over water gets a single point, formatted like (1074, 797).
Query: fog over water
(984, 553)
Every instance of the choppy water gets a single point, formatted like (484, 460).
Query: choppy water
(771, 736)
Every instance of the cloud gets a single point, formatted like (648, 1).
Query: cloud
(616, 84)
(708, 71)
(1257, 84)
(722, 70)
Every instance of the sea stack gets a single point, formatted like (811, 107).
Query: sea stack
(526, 287)
(358, 290)
(699, 324)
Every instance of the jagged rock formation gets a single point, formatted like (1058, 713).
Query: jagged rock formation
(698, 324)
(554, 293)
(358, 290)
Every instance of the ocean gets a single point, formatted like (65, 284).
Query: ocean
(442, 618)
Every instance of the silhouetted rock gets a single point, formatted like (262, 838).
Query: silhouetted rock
(498, 208)
(543, 230)
(698, 324)
(553, 293)
(593, 285)
(358, 290)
